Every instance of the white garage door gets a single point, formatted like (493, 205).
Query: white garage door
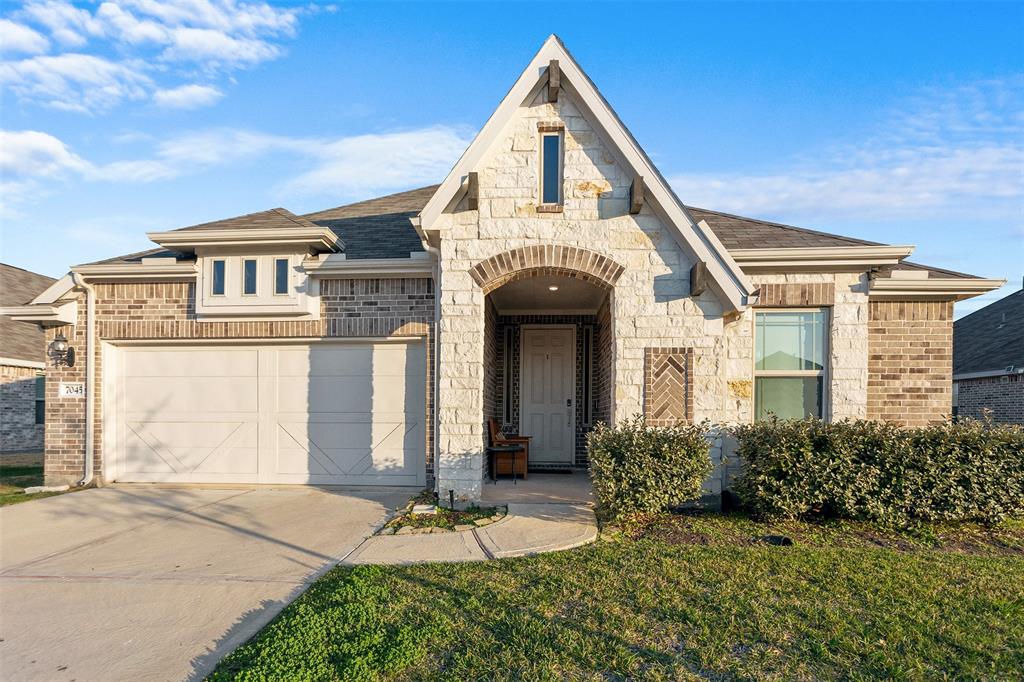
(331, 414)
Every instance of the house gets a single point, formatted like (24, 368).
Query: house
(22, 361)
(552, 280)
(988, 362)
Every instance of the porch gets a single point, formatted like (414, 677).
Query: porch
(547, 376)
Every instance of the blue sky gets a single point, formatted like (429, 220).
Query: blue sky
(898, 123)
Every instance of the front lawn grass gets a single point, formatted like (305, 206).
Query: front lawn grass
(18, 472)
(684, 597)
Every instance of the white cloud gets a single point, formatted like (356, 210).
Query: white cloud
(216, 48)
(30, 153)
(67, 24)
(187, 96)
(952, 153)
(129, 46)
(16, 37)
(74, 82)
(341, 168)
(368, 163)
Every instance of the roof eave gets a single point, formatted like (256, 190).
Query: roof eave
(336, 264)
(820, 259)
(317, 239)
(138, 272)
(47, 315)
(931, 289)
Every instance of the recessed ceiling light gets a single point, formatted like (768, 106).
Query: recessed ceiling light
(553, 287)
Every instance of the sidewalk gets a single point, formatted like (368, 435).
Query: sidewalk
(526, 529)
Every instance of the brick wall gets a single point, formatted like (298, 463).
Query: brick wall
(1001, 398)
(668, 386)
(349, 308)
(910, 361)
(18, 429)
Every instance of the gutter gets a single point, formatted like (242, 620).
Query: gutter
(90, 374)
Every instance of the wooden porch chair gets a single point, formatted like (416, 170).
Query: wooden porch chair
(514, 462)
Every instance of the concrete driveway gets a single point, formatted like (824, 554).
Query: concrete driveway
(131, 583)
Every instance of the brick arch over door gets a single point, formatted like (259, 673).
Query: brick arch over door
(533, 261)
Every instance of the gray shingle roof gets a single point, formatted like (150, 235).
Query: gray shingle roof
(273, 219)
(737, 232)
(21, 340)
(990, 338)
(378, 228)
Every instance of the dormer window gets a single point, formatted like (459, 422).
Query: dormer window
(551, 168)
(217, 284)
(249, 277)
(280, 276)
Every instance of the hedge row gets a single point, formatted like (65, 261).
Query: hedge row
(875, 471)
(639, 469)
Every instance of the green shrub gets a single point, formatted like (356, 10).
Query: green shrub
(875, 471)
(639, 469)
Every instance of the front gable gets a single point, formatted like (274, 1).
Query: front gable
(602, 161)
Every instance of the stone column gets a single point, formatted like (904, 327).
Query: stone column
(460, 388)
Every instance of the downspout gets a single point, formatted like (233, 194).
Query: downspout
(437, 360)
(90, 374)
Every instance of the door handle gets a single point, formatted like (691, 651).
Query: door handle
(568, 413)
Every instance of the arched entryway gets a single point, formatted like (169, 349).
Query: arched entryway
(548, 354)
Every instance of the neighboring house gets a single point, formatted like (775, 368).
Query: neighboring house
(988, 361)
(22, 361)
(552, 280)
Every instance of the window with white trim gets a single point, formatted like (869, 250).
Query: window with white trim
(551, 168)
(249, 277)
(790, 363)
(280, 276)
(217, 281)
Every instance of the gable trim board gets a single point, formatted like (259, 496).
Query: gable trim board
(727, 278)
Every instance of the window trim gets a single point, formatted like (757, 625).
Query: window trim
(824, 372)
(255, 279)
(287, 276)
(560, 135)
(213, 277)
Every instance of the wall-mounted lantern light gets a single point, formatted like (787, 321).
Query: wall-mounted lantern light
(61, 352)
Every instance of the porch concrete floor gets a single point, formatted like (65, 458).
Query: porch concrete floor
(571, 488)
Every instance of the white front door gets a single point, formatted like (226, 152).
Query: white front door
(547, 390)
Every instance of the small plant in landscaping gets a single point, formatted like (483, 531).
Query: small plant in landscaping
(640, 469)
(440, 518)
(880, 472)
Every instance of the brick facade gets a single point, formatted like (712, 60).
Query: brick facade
(668, 386)
(371, 307)
(18, 429)
(910, 368)
(999, 398)
(794, 295)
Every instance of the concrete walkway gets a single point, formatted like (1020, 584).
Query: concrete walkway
(526, 529)
(152, 583)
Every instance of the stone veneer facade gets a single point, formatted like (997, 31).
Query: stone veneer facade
(369, 307)
(18, 429)
(911, 366)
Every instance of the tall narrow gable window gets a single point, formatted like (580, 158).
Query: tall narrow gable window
(217, 286)
(249, 277)
(790, 364)
(551, 168)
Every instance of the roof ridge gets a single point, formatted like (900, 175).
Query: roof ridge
(862, 242)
